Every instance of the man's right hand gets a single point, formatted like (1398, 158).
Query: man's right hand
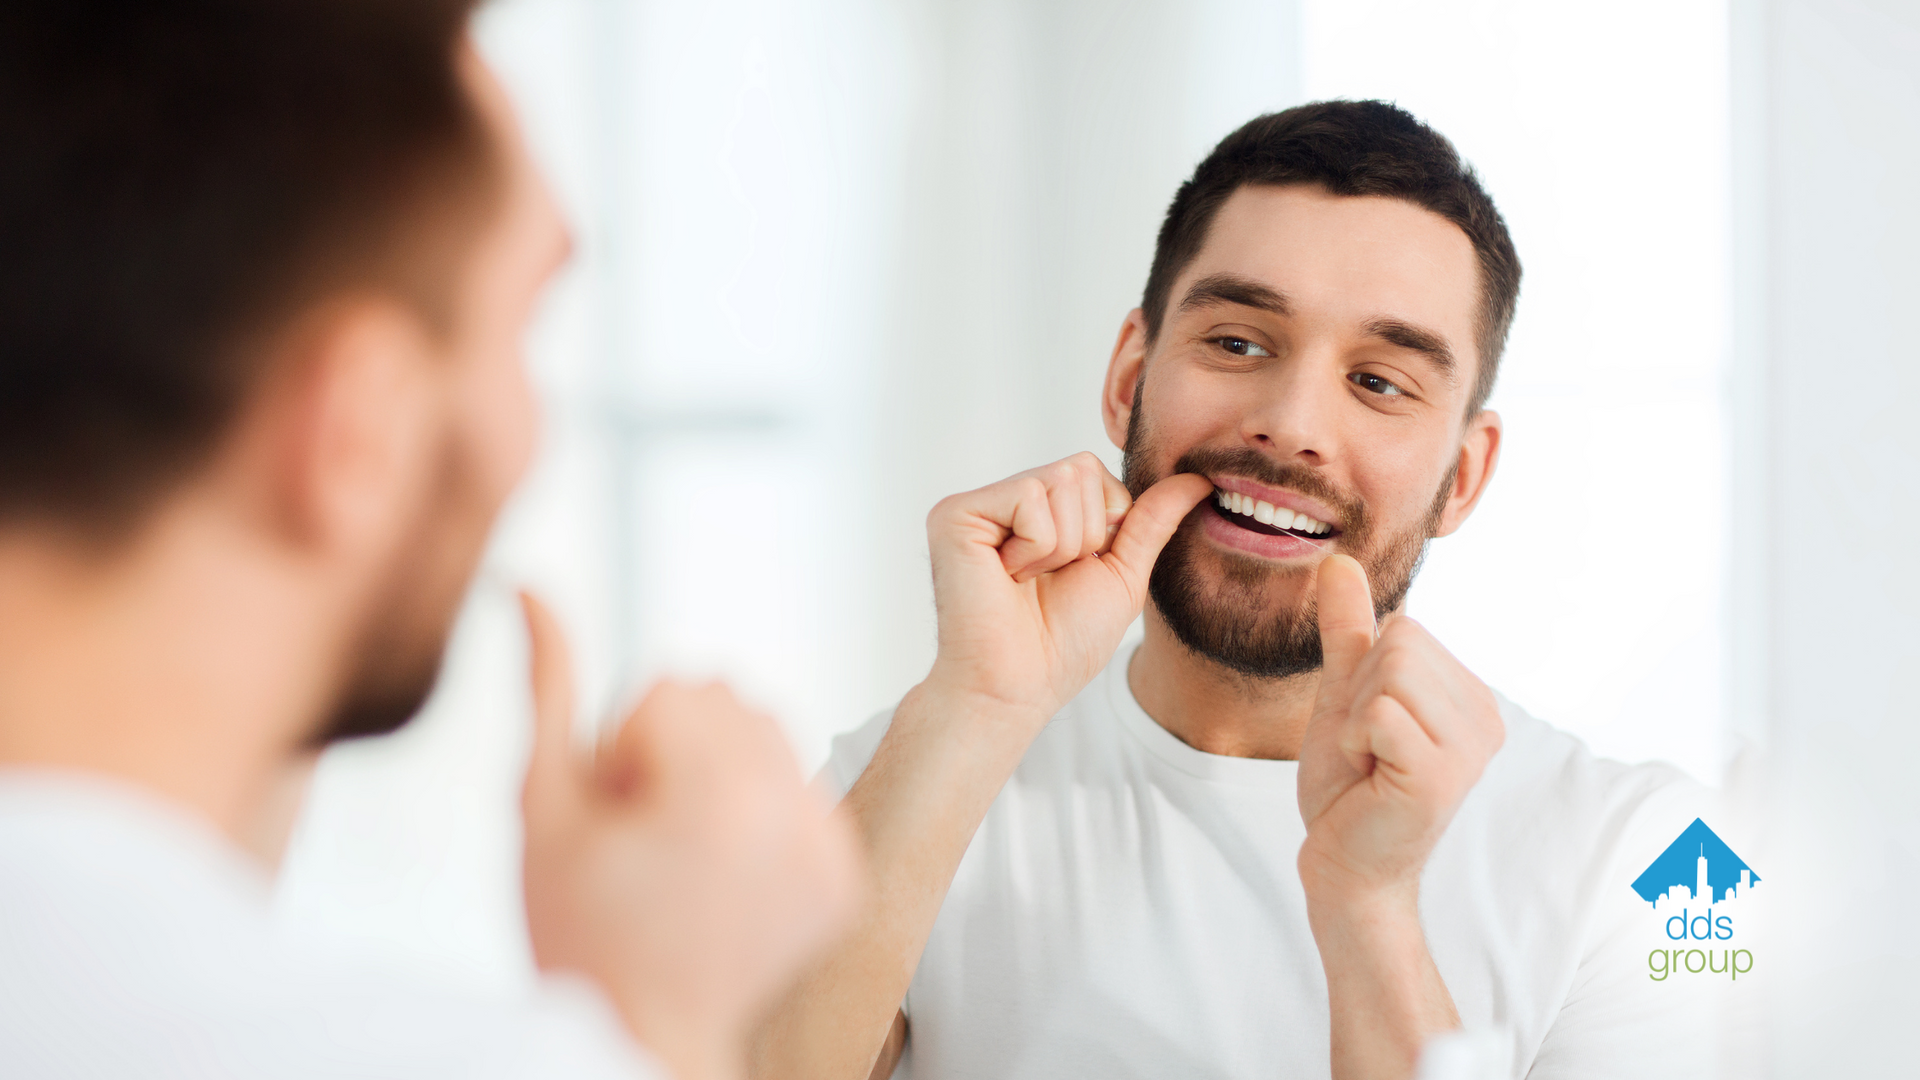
(686, 868)
(1037, 577)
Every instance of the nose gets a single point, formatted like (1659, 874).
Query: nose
(1292, 415)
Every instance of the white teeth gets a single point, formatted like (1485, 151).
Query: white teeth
(1268, 514)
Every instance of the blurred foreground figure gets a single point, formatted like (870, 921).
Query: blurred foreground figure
(264, 269)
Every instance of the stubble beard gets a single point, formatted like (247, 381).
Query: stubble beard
(394, 660)
(1227, 617)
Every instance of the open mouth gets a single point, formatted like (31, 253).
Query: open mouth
(1264, 517)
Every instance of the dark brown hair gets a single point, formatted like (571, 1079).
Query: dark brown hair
(181, 178)
(1348, 148)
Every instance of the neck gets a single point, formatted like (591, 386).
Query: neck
(178, 665)
(1214, 709)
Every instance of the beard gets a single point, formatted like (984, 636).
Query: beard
(1229, 617)
(394, 659)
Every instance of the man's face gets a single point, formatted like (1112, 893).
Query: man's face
(488, 419)
(1316, 359)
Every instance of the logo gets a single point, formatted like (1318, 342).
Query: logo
(1695, 886)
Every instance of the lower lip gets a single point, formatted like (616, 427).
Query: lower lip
(1227, 534)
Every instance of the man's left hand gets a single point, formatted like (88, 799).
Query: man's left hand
(1401, 731)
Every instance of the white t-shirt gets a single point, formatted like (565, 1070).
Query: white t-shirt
(1131, 907)
(135, 942)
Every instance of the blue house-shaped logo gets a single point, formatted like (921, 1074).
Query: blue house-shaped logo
(1700, 863)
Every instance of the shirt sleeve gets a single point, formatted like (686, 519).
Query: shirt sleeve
(851, 753)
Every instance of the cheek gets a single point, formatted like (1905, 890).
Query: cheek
(1400, 488)
(1182, 413)
(501, 418)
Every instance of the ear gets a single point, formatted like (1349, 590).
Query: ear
(351, 424)
(1123, 377)
(1479, 453)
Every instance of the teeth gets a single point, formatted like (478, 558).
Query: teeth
(1268, 514)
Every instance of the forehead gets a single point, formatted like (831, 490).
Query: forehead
(1345, 260)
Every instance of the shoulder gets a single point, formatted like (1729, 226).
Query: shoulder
(1553, 774)
(1552, 819)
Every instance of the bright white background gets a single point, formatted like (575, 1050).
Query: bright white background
(841, 258)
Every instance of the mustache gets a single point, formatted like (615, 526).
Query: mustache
(1250, 463)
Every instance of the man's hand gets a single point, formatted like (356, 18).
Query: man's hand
(685, 868)
(1037, 577)
(1400, 733)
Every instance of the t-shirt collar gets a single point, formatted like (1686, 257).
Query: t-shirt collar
(1163, 744)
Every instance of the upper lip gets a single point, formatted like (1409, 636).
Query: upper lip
(1279, 497)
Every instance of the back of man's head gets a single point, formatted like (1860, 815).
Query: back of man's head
(180, 179)
(1349, 148)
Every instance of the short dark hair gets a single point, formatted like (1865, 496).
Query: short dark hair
(179, 179)
(1348, 148)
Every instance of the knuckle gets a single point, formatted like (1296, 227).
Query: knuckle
(1401, 632)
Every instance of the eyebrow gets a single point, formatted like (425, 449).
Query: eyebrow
(1246, 292)
(1419, 339)
(1234, 289)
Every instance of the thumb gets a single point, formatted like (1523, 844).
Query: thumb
(1150, 523)
(551, 769)
(1346, 617)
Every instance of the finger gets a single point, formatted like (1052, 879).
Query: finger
(1064, 502)
(701, 736)
(1094, 526)
(551, 767)
(1150, 523)
(1383, 731)
(1411, 666)
(1346, 617)
(672, 727)
(1028, 519)
(1118, 502)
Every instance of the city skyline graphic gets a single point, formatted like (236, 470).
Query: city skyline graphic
(1698, 865)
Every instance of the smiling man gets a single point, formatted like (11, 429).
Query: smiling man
(1288, 834)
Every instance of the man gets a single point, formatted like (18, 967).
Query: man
(1288, 834)
(266, 268)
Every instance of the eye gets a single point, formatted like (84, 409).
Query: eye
(1239, 346)
(1368, 381)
